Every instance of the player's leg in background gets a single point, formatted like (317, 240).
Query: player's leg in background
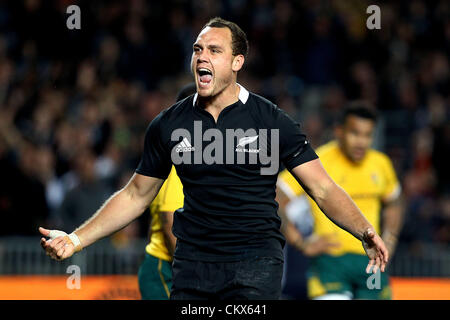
(155, 278)
(369, 286)
(296, 265)
(328, 279)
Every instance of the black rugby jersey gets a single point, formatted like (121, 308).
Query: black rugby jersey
(228, 170)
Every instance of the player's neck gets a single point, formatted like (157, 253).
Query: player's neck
(215, 104)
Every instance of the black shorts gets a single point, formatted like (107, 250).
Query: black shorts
(258, 278)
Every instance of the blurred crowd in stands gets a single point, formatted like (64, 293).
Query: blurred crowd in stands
(74, 104)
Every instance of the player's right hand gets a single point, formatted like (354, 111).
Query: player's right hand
(375, 250)
(60, 246)
(315, 245)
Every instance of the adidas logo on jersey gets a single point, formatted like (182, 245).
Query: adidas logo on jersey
(184, 146)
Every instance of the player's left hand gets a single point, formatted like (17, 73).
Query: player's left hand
(60, 246)
(375, 250)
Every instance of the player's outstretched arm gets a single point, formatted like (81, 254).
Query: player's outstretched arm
(340, 208)
(393, 216)
(118, 211)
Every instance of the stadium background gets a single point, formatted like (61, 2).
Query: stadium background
(74, 105)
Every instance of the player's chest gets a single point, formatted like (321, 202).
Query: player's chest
(229, 145)
(358, 181)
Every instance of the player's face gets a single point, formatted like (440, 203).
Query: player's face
(212, 61)
(356, 137)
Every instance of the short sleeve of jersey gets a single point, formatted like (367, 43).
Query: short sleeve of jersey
(294, 148)
(289, 185)
(392, 187)
(170, 196)
(155, 161)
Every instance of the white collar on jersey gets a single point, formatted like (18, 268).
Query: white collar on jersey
(243, 95)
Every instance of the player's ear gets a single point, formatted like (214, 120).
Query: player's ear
(338, 131)
(238, 62)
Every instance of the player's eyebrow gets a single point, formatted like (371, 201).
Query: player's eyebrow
(214, 46)
(211, 46)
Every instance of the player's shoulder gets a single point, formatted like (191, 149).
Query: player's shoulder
(261, 102)
(172, 115)
(378, 157)
(267, 111)
(182, 106)
(329, 149)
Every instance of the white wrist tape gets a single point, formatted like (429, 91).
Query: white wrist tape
(76, 241)
(71, 237)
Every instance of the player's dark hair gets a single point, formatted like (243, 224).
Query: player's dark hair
(239, 42)
(186, 91)
(360, 110)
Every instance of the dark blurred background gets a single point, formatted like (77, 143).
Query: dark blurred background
(74, 104)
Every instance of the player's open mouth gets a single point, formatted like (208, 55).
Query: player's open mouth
(204, 76)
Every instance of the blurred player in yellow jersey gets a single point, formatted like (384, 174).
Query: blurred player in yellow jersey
(369, 178)
(155, 273)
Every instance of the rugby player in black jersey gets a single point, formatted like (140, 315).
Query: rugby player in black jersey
(227, 145)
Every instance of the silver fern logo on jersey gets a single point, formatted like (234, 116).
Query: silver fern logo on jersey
(246, 141)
